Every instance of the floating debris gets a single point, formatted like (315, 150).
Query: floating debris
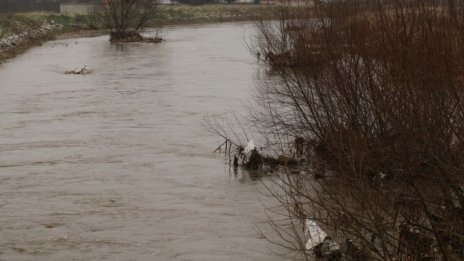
(132, 36)
(314, 233)
(320, 243)
(84, 70)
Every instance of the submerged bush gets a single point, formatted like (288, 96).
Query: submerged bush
(375, 89)
(122, 16)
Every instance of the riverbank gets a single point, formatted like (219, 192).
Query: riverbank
(19, 41)
(184, 14)
(19, 32)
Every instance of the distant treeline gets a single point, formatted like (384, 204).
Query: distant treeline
(14, 6)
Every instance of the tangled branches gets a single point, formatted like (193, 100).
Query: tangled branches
(377, 96)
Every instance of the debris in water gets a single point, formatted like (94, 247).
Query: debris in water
(314, 233)
(19, 249)
(249, 147)
(250, 156)
(84, 70)
(132, 36)
(255, 160)
(319, 241)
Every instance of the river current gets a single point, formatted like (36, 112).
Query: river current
(117, 165)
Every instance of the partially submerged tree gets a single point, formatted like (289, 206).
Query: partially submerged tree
(125, 18)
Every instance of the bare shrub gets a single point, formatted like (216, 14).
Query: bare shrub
(375, 89)
(126, 17)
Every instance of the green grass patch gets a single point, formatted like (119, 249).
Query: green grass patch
(172, 14)
(10, 24)
(15, 23)
(4, 33)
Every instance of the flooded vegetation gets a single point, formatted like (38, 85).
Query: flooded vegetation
(116, 165)
(370, 94)
(136, 148)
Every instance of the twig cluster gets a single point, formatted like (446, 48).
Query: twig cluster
(374, 91)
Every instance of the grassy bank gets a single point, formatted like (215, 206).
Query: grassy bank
(27, 30)
(179, 14)
(168, 14)
(16, 23)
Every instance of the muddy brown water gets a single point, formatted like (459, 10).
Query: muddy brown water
(116, 165)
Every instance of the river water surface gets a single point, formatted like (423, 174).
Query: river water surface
(116, 165)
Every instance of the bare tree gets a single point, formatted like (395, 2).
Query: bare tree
(126, 18)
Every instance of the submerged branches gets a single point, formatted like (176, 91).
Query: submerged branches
(372, 91)
(125, 18)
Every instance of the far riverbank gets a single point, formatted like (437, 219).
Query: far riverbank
(19, 32)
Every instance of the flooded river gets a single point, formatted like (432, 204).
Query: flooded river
(116, 165)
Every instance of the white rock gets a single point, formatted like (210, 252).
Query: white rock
(314, 233)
